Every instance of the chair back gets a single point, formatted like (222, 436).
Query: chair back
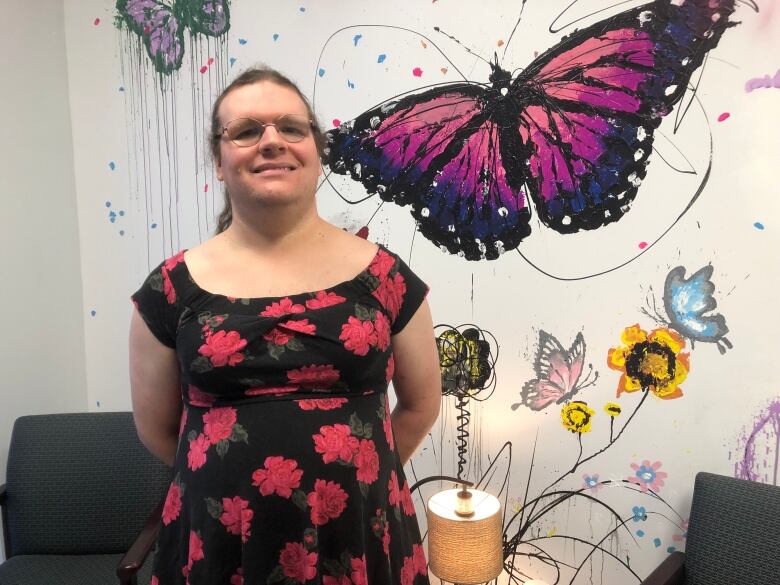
(79, 484)
(733, 532)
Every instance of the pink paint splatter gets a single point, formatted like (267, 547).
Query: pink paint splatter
(363, 232)
(417, 72)
(204, 69)
(211, 60)
(336, 122)
(642, 245)
(96, 22)
(206, 188)
(724, 116)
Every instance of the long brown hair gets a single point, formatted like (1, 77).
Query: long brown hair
(249, 77)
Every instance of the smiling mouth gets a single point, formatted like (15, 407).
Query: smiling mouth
(273, 170)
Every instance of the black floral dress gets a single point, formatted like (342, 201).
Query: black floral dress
(286, 471)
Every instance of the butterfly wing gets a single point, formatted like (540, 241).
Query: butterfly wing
(438, 151)
(208, 17)
(160, 29)
(686, 301)
(593, 102)
(557, 372)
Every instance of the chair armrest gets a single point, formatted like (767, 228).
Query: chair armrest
(136, 555)
(4, 514)
(670, 572)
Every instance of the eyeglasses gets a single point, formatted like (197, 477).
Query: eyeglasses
(248, 131)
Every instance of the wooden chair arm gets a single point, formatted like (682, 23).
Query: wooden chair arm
(136, 555)
(670, 572)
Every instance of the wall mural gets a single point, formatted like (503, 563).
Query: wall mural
(542, 151)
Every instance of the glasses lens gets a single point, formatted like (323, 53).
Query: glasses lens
(244, 131)
(293, 128)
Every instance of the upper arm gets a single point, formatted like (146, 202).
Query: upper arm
(417, 378)
(154, 381)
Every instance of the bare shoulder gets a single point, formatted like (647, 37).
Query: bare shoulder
(354, 250)
(208, 253)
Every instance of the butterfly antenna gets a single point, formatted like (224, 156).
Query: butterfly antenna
(449, 36)
(519, 18)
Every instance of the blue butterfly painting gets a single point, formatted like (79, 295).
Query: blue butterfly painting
(569, 136)
(686, 300)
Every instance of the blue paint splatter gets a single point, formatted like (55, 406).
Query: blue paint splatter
(302, 9)
(111, 165)
(350, 85)
(242, 41)
(657, 542)
(93, 312)
(670, 549)
(356, 38)
(276, 36)
(153, 226)
(121, 213)
(232, 61)
(121, 232)
(758, 225)
(640, 532)
(98, 403)
(121, 88)
(112, 217)
(381, 58)
(321, 72)
(108, 204)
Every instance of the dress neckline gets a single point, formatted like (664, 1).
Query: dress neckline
(331, 289)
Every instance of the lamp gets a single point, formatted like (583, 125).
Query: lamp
(465, 536)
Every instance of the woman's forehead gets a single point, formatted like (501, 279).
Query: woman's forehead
(263, 100)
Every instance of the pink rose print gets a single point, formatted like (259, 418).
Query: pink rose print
(358, 336)
(382, 328)
(170, 292)
(196, 457)
(183, 420)
(195, 553)
(408, 571)
(298, 564)
(172, 505)
(282, 308)
(154, 580)
(237, 578)
(394, 496)
(390, 293)
(314, 376)
(327, 501)
(277, 337)
(173, 261)
(218, 423)
(335, 443)
(390, 369)
(280, 476)
(420, 564)
(324, 299)
(321, 403)
(237, 516)
(275, 390)
(406, 500)
(359, 575)
(223, 348)
(330, 580)
(367, 462)
(198, 397)
(381, 265)
(301, 326)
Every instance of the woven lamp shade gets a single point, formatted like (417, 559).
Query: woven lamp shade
(466, 551)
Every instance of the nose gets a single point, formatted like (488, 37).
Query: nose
(270, 141)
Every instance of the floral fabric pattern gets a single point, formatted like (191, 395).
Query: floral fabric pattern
(286, 470)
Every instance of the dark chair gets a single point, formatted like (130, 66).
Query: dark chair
(733, 536)
(77, 500)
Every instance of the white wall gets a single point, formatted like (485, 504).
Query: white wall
(42, 345)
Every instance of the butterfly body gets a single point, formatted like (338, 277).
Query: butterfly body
(572, 133)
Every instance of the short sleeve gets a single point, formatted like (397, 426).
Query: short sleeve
(400, 291)
(158, 305)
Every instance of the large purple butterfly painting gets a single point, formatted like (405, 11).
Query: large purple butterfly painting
(570, 135)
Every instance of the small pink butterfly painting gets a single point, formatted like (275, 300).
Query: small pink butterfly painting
(558, 373)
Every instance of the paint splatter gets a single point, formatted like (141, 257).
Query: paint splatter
(204, 69)
(657, 542)
(211, 61)
(363, 232)
(242, 41)
(112, 165)
(763, 82)
(108, 204)
(96, 21)
(356, 38)
(321, 72)
(417, 72)
(758, 225)
(381, 58)
(232, 61)
(759, 448)
(121, 88)
(336, 122)
(153, 226)
(121, 232)
(121, 213)
(500, 42)
(443, 70)
(724, 116)
(93, 312)
(640, 533)
(98, 403)
(206, 188)
(642, 245)
(424, 44)
(111, 216)
(302, 9)
(350, 84)
(276, 37)
(670, 549)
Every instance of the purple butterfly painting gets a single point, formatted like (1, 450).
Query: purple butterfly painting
(558, 373)
(569, 137)
(161, 26)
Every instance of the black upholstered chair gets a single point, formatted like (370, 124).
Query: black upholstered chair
(82, 501)
(733, 536)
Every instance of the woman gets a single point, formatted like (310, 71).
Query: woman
(259, 364)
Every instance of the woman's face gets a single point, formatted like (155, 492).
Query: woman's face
(273, 171)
